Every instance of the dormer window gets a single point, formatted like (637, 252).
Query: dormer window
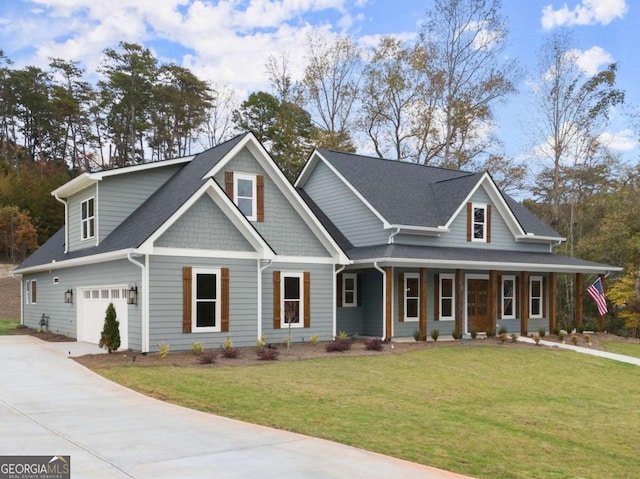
(245, 194)
(88, 219)
(478, 223)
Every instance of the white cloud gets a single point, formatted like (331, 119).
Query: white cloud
(621, 141)
(588, 12)
(590, 61)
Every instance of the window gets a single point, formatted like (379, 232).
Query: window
(31, 291)
(411, 296)
(447, 297)
(245, 194)
(508, 297)
(535, 297)
(88, 219)
(349, 290)
(292, 299)
(479, 223)
(205, 298)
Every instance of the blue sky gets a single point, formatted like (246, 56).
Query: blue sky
(228, 41)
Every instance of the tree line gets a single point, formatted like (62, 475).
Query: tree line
(430, 100)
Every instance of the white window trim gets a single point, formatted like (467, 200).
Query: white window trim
(514, 298)
(452, 277)
(408, 276)
(531, 281)
(254, 191)
(29, 291)
(354, 277)
(88, 219)
(283, 322)
(483, 207)
(194, 302)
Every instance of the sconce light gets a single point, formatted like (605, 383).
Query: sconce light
(132, 297)
(68, 296)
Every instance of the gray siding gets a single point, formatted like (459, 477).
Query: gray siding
(165, 311)
(344, 209)
(74, 220)
(204, 226)
(63, 316)
(283, 228)
(121, 195)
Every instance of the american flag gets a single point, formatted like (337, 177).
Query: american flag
(597, 294)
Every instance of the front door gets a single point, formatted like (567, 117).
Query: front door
(478, 304)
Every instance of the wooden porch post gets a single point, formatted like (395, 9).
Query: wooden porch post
(601, 317)
(493, 293)
(553, 306)
(423, 304)
(389, 301)
(524, 303)
(459, 301)
(578, 294)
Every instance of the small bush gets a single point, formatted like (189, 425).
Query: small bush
(374, 344)
(587, 339)
(536, 338)
(542, 332)
(556, 331)
(227, 343)
(574, 340)
(562, 334)
(502, 330)
(514, 337)
(208, 357)
(474, 333)
(230, 353)
(503, 337)
(267, 354)
(490, 332)
(164, 350)
(260, 343)
(314, 339)
(338, 345)
(416, 335)
(196, 348)
(456, 335)
(343, 335)
(435, 334)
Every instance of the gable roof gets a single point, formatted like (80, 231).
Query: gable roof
(405, 194)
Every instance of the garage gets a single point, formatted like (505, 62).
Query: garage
(92, 308)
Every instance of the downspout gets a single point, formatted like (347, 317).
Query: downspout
(335, 281)
(392, 235)
(384, 297)
(66, 222)
(260, 271)
(13, 275)
(144, 317)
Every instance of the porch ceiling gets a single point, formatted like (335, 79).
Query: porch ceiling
(473, 258)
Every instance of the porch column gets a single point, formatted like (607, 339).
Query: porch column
(601, 317)
(493, 297)
(388, 310)
(423, 304)
(524, 303)
(553, 306)
(578, 294)
(459, 301)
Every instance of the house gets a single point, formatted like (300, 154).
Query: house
(192, 249)
(433, 248)
(220, 245)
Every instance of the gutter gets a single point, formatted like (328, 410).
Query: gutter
(384, 296)
(392, 235)
(261, 269)
(144, 317)
(335, 281)
(66, 220)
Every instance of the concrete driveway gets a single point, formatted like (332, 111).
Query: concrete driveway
(50, 405)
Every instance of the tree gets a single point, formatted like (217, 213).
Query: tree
(467, 75)
(218, 125)
(18, 236)
(110, 335)
(625, 295)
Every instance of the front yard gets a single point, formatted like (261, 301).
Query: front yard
(485, 411)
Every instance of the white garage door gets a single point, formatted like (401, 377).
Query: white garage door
(92, 309)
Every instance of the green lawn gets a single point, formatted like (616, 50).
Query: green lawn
(490, 412)
(8, 326)
(618, 347)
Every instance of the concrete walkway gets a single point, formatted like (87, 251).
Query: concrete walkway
(50, 405)
(583, 350)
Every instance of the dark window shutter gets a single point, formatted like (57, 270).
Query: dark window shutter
(307, 299)
(260, 198)
(224, 292)
(500, 300)
(228, 184)
(276, 299)
(543, 293)
(339, 290)
(436, 297)
(359, 292)
(519, 302)
(487, 226)
(401, 297)
(469, 221)
(186, 299)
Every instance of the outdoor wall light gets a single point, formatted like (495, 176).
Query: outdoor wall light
(132, 297)
(68, 296)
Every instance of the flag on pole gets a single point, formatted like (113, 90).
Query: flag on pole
(597, 294)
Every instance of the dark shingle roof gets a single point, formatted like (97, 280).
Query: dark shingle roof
(411, 194)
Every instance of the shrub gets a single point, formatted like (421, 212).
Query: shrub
(208, 357)
(503, 337)
(514, 337)
(474, 333)
(490, 332)
(227, 343)
(267, 354)
(456, 335)
(556, 331)
(164, 350)
(562, 334)
(435, 334)
(196, 347)
(542, 332)
(343, 335)
(260, 343)
(374, 344)
(587, 339)
(230, 353)
(536, 338)
(502, 330)
(110, 336)
(314, 339)
(416, 335)
(338, 345)
(574, 340)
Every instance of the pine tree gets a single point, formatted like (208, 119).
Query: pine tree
(110, 336)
